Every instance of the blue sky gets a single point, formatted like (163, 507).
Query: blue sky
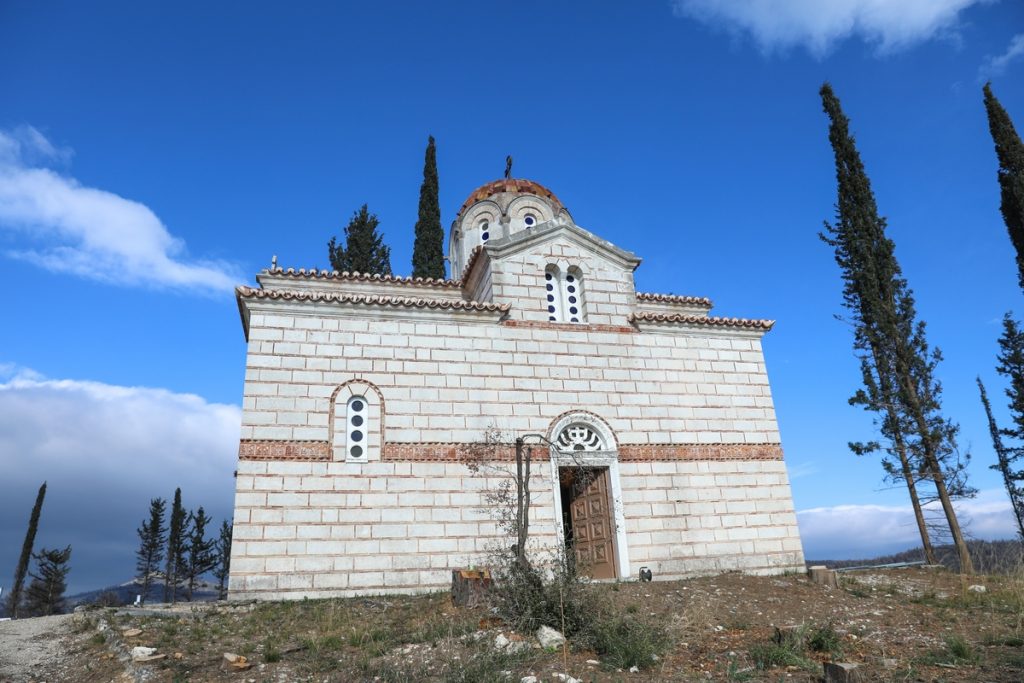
(152, 155)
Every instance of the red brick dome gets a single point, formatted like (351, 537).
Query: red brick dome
(511, 185)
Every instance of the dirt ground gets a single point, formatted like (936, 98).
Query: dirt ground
(897, 625)
(56, 648)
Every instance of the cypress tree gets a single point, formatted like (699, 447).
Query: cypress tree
(1010, 152)
(175, 555)
(223, 568)
(14, 599)
(1004, 463)
(45, 595)
(889, 339)
(151, 545)
(200, 551)
(428, 249)
(364, 250)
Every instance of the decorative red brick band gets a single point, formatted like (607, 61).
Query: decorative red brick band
(455, 452)
(620, 329)
(466, 452)
(704, 451)
(283, 450)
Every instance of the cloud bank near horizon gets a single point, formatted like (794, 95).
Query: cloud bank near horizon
(819, 26)
(64, 226)
(844, 532)
(105, 451)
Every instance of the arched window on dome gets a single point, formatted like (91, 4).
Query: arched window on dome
(563, 294)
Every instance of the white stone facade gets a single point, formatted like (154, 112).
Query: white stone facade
(690, 440)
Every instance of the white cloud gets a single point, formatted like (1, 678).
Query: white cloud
(87, 231)
(819, 24)
(865, 531)
(105, 451)
(994, 66)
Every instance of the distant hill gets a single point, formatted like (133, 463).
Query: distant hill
(125, 593)
(990, 557)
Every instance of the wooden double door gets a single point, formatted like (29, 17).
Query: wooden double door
(589, 524)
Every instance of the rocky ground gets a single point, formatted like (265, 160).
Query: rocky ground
(896, 625)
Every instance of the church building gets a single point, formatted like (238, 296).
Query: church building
(366, 396)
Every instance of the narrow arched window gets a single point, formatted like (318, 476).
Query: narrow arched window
(572, 295)
(563, 294)
(357, 426)
(553, 293)
(485, 231)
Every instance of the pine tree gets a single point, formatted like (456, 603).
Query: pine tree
(1005, 457)
(45, 595)
(201, 557)
(15, 596)
(151, 545)
(428, 249)
(1010, 151)
(889, 339)
(1011, 366)
(364, 250)
(222, 570)
(175, 555)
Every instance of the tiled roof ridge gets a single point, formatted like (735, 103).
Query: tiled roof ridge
(674, 299)
(701, 320)
(325, 274)
(244, 292)
(470, 262)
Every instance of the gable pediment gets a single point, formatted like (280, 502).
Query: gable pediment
(585, 240)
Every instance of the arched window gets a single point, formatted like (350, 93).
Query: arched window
(358, 428)
(572, 295)
(563, 294)
(485, 231)
(553, 293)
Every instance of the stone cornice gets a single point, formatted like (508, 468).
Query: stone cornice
(348, 304)
(370, 300)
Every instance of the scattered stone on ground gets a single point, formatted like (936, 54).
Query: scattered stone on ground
(549, 638)
(140, 651)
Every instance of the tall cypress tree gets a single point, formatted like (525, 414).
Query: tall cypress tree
(364, 250)
(175, 555)
(151, 545)
(897, 362)
(14, 598)
(1010, 151)
(1005, 457)
(45, 595)
(428, 249)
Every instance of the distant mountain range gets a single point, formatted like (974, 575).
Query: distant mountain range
(990, 557)
(124, 594)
